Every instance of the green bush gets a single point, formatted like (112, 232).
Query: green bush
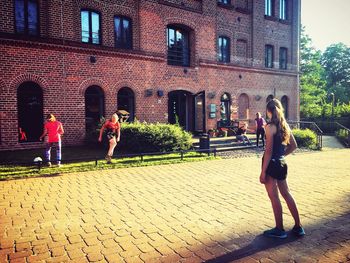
(305, 138)
(342, 136)
(143, 137)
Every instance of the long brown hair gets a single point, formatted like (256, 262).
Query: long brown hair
(275, 107)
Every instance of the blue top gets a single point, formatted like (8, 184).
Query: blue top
(278, 148)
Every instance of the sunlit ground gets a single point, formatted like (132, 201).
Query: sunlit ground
(191, 212)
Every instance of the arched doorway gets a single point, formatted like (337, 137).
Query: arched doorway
(126, 101)
(225, 108)
(30, 111)
(285, 104)
(270, 97)
(94, 107)
(243, 107)
(187, 109)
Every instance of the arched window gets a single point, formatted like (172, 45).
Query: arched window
(126, 101)
(270, 97)
(178, 41)
(94, 106)
(225, 107)
(243, 106)
(285, 104)
(30, 111)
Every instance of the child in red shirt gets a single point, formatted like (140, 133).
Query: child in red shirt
(54, 130)
(112, 128)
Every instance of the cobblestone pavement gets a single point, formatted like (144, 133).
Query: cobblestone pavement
(211, 211)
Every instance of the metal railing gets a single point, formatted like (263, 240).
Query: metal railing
(309, 125)
(342, 133)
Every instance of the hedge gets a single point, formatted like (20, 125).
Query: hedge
(144, 137)
(305, 138)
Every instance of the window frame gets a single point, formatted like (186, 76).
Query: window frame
(269, 8)
(283, 13)
(283, 65)
(26, 18)
(221, 3)
(221, 50)
(90, 11)
(183, 31)
(267, 47)
(129, 42)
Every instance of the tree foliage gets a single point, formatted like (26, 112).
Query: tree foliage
(321, 75)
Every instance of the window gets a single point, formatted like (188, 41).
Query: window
(26, 17)
(241, 48)
(243, 107)
(126, 102)
(270, 97)
(285, 104)
(224, 49)
(90, 27)
(94, 107)
(283, 58)
(178, 46)
(123, 32)
(283, 9)
(269, 56)
(224, 2)
(225, 107)
(269, 7)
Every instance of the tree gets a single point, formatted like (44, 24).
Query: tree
(336, 62)
(312, 83)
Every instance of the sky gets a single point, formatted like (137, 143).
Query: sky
(326, 22)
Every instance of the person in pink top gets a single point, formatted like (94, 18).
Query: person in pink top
(53, 129)
(112, 128)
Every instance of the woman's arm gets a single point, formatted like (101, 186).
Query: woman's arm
(43, 135)
(270, 130)
(101, 131)
(118, 133)
(61, 130)
(291, 146)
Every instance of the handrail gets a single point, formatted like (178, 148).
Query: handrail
(317, 129)
(345, 141)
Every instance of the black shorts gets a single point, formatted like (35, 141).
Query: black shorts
(110, 135)
(277, 169)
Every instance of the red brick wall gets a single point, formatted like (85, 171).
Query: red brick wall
(64, 71)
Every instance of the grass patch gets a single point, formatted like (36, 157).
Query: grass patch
(18, 171)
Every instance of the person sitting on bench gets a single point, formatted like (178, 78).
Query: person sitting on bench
(241, 134)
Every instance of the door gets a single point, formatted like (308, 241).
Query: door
(199, 112)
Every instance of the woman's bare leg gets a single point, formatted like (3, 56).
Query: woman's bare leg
(112, 144)
(272, 191)
(285, 192)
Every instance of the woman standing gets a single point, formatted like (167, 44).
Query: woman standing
(54, 130)
(279, 143)
(260, 129)
(112, 128)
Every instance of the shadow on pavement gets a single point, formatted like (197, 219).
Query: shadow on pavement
(319, 235)
(259, 243)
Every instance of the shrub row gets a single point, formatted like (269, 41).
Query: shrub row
(305, 138)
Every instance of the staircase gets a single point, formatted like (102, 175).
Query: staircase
(227, 143)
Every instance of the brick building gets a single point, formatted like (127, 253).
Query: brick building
(198, 61)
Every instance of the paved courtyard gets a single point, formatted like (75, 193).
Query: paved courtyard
(211, 211)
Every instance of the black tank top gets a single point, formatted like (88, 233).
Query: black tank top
(278, 148)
